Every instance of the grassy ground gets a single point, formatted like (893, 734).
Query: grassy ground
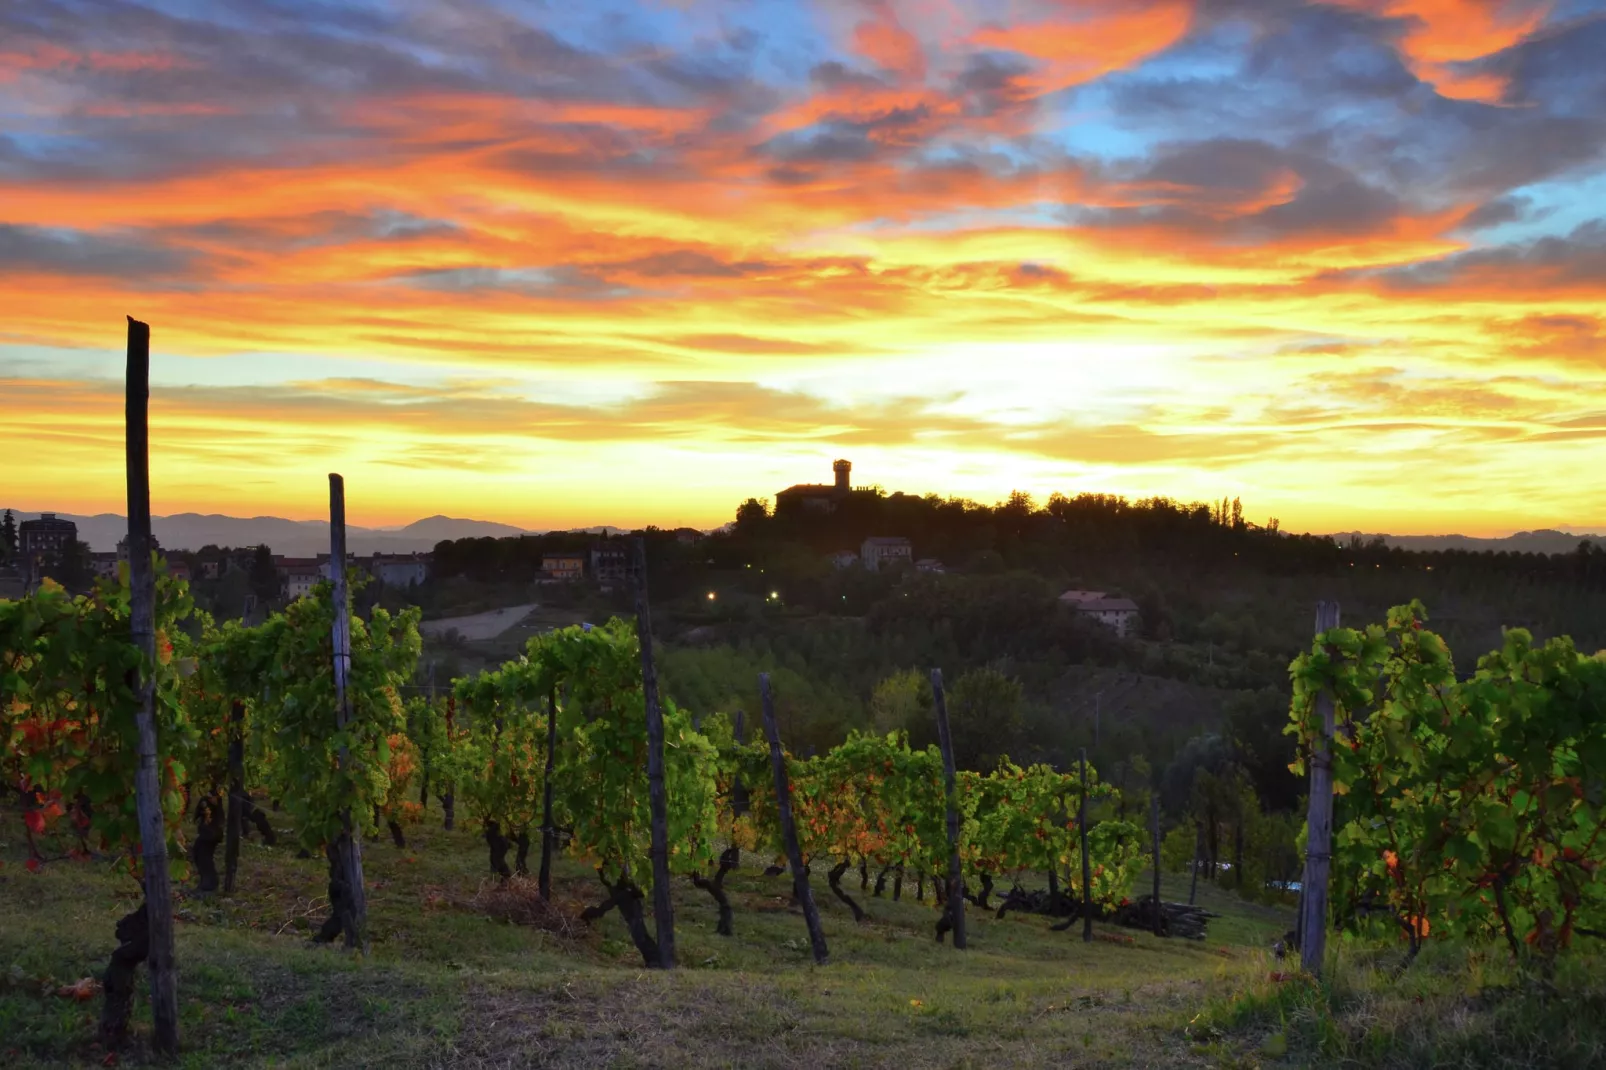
(451, 981)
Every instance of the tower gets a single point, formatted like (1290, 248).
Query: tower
(843, 484)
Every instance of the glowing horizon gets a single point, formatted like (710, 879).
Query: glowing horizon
(635, 262)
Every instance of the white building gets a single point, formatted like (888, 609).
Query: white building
(1120, 615)
(399, 570)
(879, 550)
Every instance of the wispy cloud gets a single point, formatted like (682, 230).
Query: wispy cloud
(1174, 245)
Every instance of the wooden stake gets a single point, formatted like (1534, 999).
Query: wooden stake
(1087, 869)
(956, 883)
(783, 805)
(236, 811)
(548, 833)
(1319, 827)
(1198, 852)
(347, 858)
(662, 909)
(1154, 832)
(142, 618)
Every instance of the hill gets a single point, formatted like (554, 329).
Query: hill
(1543, 541)
(296, 538)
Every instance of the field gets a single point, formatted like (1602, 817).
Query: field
(453, 982)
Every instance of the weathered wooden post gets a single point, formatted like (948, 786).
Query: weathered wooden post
(663, 910)
(1319, 827)
(236, 812)
(142, 620)
(1154, 833)
(1198, 854)
(549, 835)
(783, 806)
(956, 886)
(1087, 869)
(346, 857)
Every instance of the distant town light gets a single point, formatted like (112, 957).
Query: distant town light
(775, 594)
(710, 596)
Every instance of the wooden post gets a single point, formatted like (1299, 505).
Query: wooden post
(956, 885)
(1319, 827)
(1154, 832)
(1198, 852)
(548, 833)
(142, 619)
(662, 909)
(236, 812)
(347, 859)
(783, 805)
(1087, 869)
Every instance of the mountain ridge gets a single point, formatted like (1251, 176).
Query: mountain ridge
(306, 538)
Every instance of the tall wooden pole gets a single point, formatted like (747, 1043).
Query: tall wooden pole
(1319, 826)
(142, 615)
(1198, 854)
(347, 858)
(548, 833)
(1087, 869)
(236, 811)
(783, 806)
(1154, 833)
(956, 880)
(662, 909)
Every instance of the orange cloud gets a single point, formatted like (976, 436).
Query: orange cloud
(1440, 34)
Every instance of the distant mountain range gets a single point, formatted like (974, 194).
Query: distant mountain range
(305, 538)
(293, 538)
(1543, 541)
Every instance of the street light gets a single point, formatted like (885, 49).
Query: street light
(710, 596)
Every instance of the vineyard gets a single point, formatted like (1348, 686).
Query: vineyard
(548, 756)
(1454, 843)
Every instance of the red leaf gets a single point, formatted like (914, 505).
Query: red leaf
(33, 865)
(35, 821)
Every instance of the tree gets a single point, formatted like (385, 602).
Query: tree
(264, 576)
(750, 516)
(8, 536)
(901, 701)
(984, 712)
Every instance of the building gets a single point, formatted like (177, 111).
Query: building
(688, 536)
(930, 564)
(844, 559)
(610, 563)
(209, 568)
(1120, 615)
(818, 497)
(104, 564)
(879, 550)
(179, 570)
(297, 576)
(1077, 597)
(564, 567)
(44, 545)
(399, 570)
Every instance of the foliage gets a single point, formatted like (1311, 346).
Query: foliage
(1474, 806)
(298, 722)
(68, 698)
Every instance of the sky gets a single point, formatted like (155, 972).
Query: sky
(559, 264)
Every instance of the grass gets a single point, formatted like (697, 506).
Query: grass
(451, 981)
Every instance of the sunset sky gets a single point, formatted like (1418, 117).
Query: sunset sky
(588, 261)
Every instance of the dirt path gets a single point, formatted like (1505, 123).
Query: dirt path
(480, 626)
